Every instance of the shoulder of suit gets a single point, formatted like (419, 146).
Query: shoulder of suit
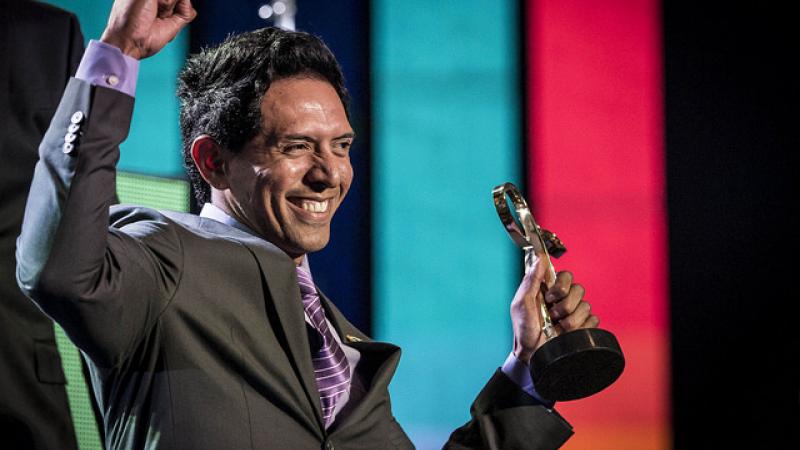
(134, 217)
(148, 223)
(121, 216)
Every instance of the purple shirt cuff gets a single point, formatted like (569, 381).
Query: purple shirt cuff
(105, 65)
(520, 373)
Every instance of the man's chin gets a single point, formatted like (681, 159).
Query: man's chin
(309, 245)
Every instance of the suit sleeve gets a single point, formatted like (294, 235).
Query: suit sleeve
(505, 417)
(105, 287)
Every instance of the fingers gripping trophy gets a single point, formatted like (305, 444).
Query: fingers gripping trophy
(573, 364)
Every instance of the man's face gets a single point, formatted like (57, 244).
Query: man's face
(288, 181)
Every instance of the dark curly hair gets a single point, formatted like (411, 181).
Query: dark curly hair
(220, 89)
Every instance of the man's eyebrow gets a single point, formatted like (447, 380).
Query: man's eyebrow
(303, 137)
(348, 135)
(297, 137)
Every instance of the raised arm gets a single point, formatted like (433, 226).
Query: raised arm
(103, 286)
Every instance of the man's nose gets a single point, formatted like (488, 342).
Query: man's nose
(325, 171)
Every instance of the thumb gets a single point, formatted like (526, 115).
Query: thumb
(531, 281)
(534, 269)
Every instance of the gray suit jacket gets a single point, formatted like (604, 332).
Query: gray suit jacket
(193, 330)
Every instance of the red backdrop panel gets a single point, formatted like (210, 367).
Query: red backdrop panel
(596, 177)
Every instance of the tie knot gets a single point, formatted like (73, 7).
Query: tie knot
(306, 283)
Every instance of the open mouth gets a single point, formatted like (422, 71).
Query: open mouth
(312, 206)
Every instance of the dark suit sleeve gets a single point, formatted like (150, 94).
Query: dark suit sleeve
(105, 287)
(505, 417)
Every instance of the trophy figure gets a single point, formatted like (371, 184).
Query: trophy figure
(574, 364)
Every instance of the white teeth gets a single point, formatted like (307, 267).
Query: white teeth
(312, 206)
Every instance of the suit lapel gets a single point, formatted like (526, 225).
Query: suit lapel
(347, 332)
(378, 359)
(282, 284)
(377, 365)
(280, 278)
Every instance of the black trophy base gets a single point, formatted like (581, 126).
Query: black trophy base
(577, 364)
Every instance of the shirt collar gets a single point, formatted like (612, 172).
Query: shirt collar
(213, 212)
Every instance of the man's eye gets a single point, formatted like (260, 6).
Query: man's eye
(342, 146)
(295, 148)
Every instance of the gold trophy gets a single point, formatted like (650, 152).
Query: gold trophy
(575, 364)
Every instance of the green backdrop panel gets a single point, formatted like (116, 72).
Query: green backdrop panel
(153, 192)
(83, 420)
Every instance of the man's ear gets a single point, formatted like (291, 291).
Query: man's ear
(207, 157)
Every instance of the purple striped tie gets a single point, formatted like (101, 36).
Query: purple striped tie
(330, 363)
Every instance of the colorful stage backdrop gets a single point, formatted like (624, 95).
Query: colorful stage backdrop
(563, 97)
(567, 99)
(448, 111)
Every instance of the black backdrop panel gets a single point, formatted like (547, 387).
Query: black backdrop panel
(731, 114)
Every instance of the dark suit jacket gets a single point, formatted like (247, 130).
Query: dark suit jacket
(40, 46)
(194, 330)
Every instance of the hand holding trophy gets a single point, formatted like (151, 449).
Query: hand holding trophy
(574, 364)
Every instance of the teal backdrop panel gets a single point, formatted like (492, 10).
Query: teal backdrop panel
(446, 130)
(153, 146)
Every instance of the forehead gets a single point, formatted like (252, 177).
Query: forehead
(302, 101)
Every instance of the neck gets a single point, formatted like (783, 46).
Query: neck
(220, 202)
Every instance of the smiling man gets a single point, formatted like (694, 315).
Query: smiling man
(208, 331)
(287, 182)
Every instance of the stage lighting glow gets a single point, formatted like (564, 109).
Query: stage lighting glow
(265, 11)
(279, 7)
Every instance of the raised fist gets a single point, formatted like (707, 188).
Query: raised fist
(140, 28)
(564, 299)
